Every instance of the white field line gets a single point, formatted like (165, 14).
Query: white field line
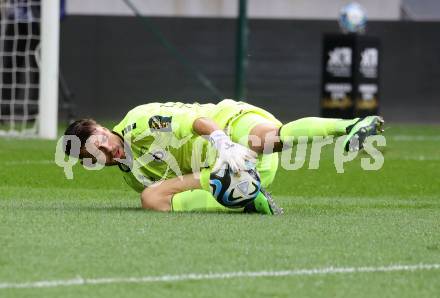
(412, 138)
(362, 201)
(29, 162)
(216, 276)
(417, 158)
(420, 158)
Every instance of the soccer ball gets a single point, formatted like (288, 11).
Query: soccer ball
(353, 18)
(234, 190)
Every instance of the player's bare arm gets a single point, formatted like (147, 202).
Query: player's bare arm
(158, 196)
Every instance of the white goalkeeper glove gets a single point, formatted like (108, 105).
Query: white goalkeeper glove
(238, 157)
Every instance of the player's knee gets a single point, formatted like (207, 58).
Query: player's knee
(153, 199)
(264, 138)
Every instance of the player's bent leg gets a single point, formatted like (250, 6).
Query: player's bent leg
(273, 138)
(264, 138)
(313, 126)
(256, 132)
(265, 134)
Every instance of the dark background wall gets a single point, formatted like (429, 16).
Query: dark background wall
(115, 63)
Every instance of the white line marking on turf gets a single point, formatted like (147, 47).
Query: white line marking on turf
(213, 276)
(420, 158)
(412, 138)
(416, 158)
(29, 162)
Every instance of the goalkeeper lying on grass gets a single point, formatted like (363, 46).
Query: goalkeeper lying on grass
(169, 151)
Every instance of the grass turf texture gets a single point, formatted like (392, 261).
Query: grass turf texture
(54, 229)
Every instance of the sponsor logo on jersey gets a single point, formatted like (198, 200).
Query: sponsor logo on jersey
(160, 123)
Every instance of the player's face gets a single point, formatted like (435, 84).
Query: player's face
(104, 147)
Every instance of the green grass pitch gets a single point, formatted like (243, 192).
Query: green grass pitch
(92, 227)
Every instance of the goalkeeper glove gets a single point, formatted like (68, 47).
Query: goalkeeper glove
(238, 157)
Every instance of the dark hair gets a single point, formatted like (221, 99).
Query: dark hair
(83, 129)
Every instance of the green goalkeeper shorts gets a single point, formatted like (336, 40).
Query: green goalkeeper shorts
(240, 129)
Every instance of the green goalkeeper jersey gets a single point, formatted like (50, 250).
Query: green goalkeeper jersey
(162, 141)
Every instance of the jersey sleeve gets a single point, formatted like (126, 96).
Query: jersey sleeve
(154, 118)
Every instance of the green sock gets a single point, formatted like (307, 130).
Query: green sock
(198, 200)
(314, 126)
